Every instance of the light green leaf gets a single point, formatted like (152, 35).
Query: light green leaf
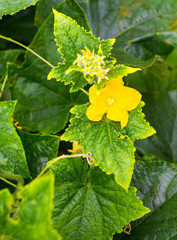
(89, 204)
(137, 127)
(12, 155)
(6, 200)
(111, 147)
(122, 71)
(157, 188)
(13, 6)
(43, 105)
(39, 149)
(112, 152)
(32, 219)
(74, 38)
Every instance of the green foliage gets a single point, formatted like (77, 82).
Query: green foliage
(89, 204)
(110, 146)
(74, 38)
(160, 196)
(39, 149)
(101, 185)
(42, 105)
(14, 6)
(12, 155)
(32, 217)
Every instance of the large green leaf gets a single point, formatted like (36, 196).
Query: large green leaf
(89, 204)
(12, 155)
(39, 149)
(74, 38)
(32, 219)
(44, 8)
(11, 7)
(43, 105)
(161, 112)
(110, 145)
(157, 188)
(8, 56)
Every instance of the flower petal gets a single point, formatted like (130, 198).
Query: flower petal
(116, 114)
(96, 110)
(114, 85)
(128, 98)
(92, 93)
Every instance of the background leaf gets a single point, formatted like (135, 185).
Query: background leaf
(39, 149)
(34, 212)
(12, 155)
(89, 204)
(157, 188)
(14, 6)
(43, 105)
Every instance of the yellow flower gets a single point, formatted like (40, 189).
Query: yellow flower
(114, 99)
(76, 147)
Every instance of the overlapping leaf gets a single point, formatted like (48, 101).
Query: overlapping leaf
(44, 105)
(157, 188)
(89, 204)
(12, 155)
(11, 7)
(161, 112)
(39, 149)
(32, 219)
(73, 40)
(110, 145)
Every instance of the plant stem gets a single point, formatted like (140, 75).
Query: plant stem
(3, 85)
(10, 183)
(88, 156)
(12, 177)
(27, 48)
(83, 90)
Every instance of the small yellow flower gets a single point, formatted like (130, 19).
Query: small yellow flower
(76, 147)
(114, 99)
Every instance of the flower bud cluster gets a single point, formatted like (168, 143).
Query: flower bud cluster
(92, 64)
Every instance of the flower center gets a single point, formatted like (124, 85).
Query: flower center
(111, 101)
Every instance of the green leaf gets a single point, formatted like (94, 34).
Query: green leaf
(111, 148)
(14, 6)
(121, 70)
(12, 155)
(33, 217)
(6, 200)
(8, 56)
(137, 127)
(74, 38)
(43, 105)
(161, 112)
(39, 149)
(44, 8)
(89, 204)
(157, 183)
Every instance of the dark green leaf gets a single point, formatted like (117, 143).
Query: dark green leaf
(89, 204)
(161, 112)
(157, 188)
(12, 7)
(44, 8)
(12, 155)
(8, 56)
(32, 219)
(39, 149)
(42, 105)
